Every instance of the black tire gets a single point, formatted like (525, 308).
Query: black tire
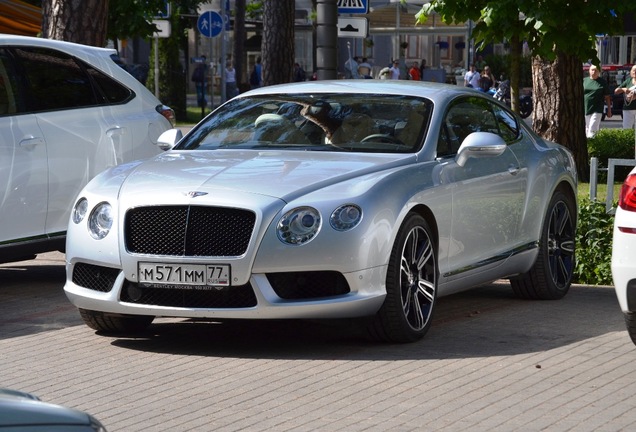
(630, 323)
(551, 275)
(411, 285)
(115, 323)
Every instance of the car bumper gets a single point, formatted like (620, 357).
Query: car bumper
(364, 296)
(624, 260)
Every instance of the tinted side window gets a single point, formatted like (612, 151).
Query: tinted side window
(55, 79)
(9, 100)
(470, 115)
(508, 127)
(112, 91)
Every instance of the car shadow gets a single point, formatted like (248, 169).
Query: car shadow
(487, 321)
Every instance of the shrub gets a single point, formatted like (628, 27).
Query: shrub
(612, 143)
(593, 244)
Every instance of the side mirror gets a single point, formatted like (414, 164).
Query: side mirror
(480, 144)
(169, 139)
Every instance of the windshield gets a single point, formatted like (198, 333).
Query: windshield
(320, 122)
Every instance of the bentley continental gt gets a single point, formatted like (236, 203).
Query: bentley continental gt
(328, 199)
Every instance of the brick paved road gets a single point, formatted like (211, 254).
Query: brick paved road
(490, 362)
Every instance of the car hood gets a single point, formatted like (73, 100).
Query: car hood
(22, 409)
(276, 174)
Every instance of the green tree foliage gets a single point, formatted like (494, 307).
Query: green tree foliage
(561, 35)
(132, 18)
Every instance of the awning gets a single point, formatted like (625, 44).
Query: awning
(17, 17)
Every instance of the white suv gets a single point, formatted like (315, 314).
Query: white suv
(67, 112)
(624, 253)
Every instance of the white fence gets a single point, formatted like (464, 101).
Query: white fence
(594, 169)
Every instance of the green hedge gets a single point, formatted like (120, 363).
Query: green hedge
(593, 244)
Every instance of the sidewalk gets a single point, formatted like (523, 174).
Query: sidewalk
(491, 362)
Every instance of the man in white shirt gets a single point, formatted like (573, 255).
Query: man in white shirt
(471, 78)
(395, 70)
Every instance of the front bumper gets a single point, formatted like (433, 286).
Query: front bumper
(349, 295)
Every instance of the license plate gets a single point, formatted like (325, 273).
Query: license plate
(184, 274)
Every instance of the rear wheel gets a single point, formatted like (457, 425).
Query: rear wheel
(630, 322)
(551, 275)
(115, 323)
(411, 285)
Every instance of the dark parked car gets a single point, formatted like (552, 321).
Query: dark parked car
(24, 412)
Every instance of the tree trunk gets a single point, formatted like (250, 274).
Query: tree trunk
(239, 43)
(80, 21)
(278, 41)
(558, 106)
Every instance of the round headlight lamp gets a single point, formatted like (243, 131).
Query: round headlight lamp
(298, 226)
(100, 221)
(345, 217)
(80, 210)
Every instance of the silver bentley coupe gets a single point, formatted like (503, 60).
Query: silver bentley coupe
(362, 199)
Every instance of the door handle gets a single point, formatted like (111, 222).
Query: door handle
(31, 141)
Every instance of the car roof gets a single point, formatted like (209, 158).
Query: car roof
(431, 90)
(75, 49)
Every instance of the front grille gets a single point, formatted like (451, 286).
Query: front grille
(188, 297)
(188, 231)
(94, 277)
(307, 285)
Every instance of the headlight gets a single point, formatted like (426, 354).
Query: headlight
(298, 226)
(100, 221)
(345, 217)
(79, 211)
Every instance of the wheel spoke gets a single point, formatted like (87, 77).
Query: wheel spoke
(427, 290)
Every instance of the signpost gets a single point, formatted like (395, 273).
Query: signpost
(353, 6)
(163, 31)
(210, 25)
(353, 27)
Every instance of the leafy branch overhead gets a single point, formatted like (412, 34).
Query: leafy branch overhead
(547, 26)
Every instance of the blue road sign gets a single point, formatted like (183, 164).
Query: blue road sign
(210, 24)
(353, 6)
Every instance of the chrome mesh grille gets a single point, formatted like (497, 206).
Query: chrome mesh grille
(188, 230)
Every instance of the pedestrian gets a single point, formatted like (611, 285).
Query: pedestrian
(486, 80)
(364, 69)
(395, 70)
(199, 76)
(231, 89)
(256, 77)
(351, 68)
(299, 73)
(480, 64)
(471, 77)
(596, 94)
(414, 72)
(628, 90)
(422, 67)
